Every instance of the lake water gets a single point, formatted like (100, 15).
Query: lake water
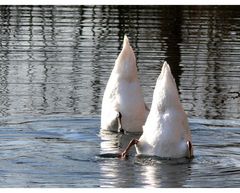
(54, 65)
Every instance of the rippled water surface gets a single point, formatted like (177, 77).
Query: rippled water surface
(54, 64)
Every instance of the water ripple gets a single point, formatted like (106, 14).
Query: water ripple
(54, 65)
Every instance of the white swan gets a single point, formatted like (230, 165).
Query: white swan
(123, 106)
(166, 132)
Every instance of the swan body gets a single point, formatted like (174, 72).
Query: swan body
(166, 132)
(123, 102)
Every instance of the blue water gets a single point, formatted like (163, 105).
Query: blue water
(54, 65)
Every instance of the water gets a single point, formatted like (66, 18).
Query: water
(55, 63)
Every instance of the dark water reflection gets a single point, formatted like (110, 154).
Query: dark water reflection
(55, 62)
(58, 58)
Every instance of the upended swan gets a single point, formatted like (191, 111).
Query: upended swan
(166, 132)
(123, 107)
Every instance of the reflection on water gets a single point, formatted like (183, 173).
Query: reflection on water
(68, 151)
(165, 174)
(141, 171)
(54, 64)
(216, 162)
(58, 58)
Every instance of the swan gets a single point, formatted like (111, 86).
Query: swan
(166, 132)
(123, 107)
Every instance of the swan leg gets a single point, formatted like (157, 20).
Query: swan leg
(125, 152)
(190, 151)
(119, 119)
